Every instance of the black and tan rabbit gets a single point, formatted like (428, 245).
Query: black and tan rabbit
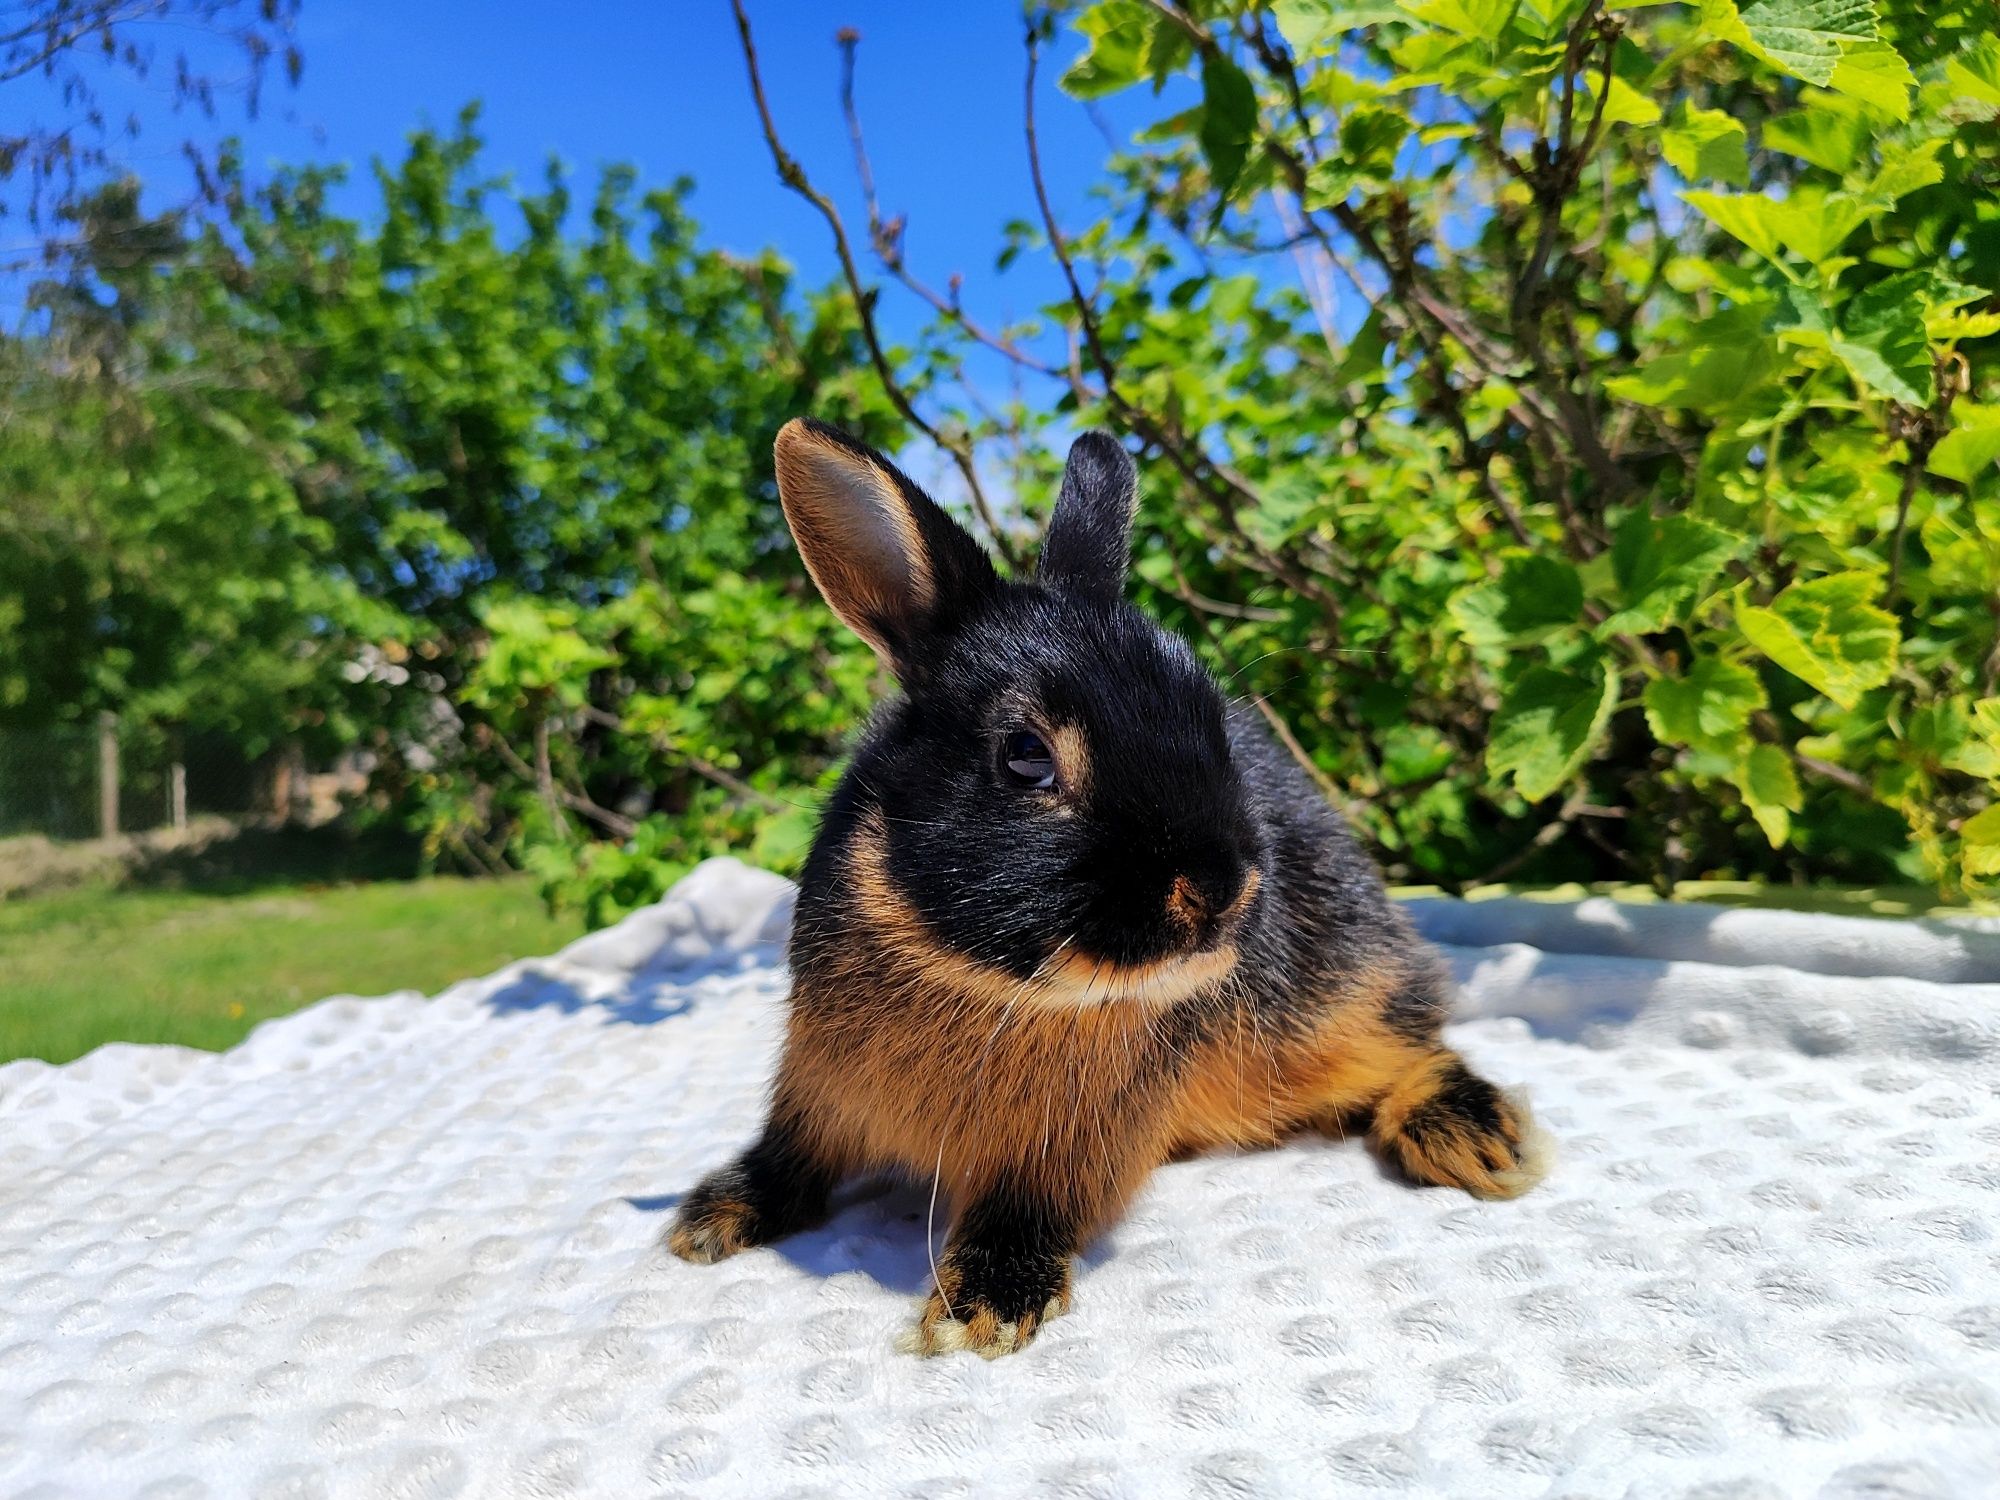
(1070, 914)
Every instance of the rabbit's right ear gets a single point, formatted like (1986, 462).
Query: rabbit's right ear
(1090, 535)
(887, 559)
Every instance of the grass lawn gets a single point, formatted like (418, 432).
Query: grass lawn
(87, 966)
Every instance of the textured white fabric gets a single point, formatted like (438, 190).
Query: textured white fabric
(408, 1248)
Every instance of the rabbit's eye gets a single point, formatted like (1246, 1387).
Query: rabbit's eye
(1028, 759)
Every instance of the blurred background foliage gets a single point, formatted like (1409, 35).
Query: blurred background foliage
(1574, 425)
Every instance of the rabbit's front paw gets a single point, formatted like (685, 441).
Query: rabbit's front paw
(1447, 1126)
(712, 1225)
(991, 1308)
(778, 1187)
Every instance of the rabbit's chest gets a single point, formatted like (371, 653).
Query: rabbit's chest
(984, 1085)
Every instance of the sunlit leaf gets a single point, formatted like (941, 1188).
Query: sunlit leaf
(1725, 361)
(1803, 37)
(1118, 32)
(1709, 707)
(1770, 788)
(1828, 632)
(1828, 132)
(1532, 595)
(1974, 74)
(1548, 724)
(1875, 73)
(1309, 26)
(1809, 224)
(1481, 20)
(1980, 839)
(1662, 564)
(1706, 145)
(1972, 446)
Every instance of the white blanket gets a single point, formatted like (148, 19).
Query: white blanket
(408, 1248)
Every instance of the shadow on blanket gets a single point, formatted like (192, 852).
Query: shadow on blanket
(878, 1229)
(643, 999)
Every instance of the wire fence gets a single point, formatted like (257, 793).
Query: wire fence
(80, 781)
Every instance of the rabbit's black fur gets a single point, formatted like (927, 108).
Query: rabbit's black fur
(1035, 994)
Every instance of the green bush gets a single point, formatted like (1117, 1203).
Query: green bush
(1595, 408)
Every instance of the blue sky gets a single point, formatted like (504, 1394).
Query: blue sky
(662, 85)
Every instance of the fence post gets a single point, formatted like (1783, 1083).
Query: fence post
(177, 791)
(107, 775)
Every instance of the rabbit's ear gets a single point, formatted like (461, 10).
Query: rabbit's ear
(887, 559)
(1090, 534)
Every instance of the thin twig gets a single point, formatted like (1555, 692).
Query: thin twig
(885, 237)
(1544, 836)
(794, 177)
(1219, 481)
(553, 792)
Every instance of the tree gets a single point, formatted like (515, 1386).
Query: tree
(85, 56)
(484, 489)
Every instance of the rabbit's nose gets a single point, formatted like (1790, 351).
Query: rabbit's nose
(1187, 904)
(1197, 908)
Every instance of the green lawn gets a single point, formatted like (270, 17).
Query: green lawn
(83, 967)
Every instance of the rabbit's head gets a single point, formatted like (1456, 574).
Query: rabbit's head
(1051, 809)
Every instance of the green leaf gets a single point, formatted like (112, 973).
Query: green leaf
(1809, 223)
(1875, 73)
(1308, 26)
(1724, 361)
(1371, 136)
(1827, 132)
(1829, 633)
(1979, 842)
(1974, 75)
(1972, 446)
(1904, 170)
(1412, 752)
(1362, 359)
(1883, 342)
(1949, 328)
(1119, 33)
(1547, 725)
(1986, 720)
(1770, 788)
(1662, 564)
(1707, 709)
(1802, 37)
(1751, 217)
(1286, 505)
(1330, 181)
(782, 839)
(1228, 121)
(1533, 595)
(1707, 145)
(1625, 105)
(1481, 20)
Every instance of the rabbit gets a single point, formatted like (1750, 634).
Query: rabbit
(1070, 914)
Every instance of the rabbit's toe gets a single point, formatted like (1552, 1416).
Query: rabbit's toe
(1447, 1126)
(988, 1321)
(710, 1227)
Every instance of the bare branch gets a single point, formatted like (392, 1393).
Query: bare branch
(794, 177)
(886, 236)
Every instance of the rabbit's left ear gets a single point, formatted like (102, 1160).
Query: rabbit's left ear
(1090, 535)
(889, 561)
